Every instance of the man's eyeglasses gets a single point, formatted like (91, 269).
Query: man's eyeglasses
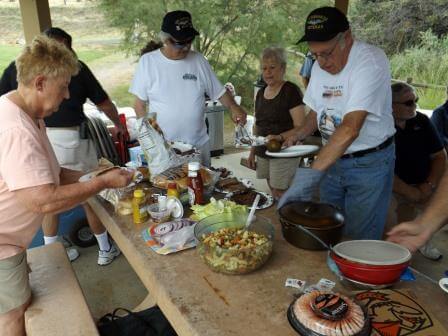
(181, 44)
(408, 103)
(325, 55)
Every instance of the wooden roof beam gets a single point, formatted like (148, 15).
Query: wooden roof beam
(35, 17)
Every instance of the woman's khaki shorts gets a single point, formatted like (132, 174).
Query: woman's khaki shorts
(14, 282)
(280, 172)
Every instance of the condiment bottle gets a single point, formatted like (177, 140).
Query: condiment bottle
(139, 207)
(172, 190)
(195, 184)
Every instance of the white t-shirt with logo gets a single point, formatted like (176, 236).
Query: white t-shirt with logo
(362, 85)
(175, 91)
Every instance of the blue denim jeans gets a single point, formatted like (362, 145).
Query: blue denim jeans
(362, 188)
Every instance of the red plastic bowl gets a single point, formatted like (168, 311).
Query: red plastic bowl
(369, 274)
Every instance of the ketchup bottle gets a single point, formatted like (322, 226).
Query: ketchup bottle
(195, 184)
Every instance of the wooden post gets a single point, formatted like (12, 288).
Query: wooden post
(35, 17)
(342, 5)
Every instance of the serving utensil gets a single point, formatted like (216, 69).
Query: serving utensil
(252, 210)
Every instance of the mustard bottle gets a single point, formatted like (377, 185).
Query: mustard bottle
(139, 207)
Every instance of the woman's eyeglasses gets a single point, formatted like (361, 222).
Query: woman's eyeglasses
(181, 44)
(409, 103)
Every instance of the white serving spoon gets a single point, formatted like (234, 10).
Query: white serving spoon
(252, 210)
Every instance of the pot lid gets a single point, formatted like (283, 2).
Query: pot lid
(312, 214)
(373, 252)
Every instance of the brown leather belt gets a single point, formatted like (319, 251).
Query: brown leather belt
(363, 152)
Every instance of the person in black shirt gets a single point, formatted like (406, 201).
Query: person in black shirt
(420, 159)
(72, 149)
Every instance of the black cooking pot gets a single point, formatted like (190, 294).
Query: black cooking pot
(323, 220)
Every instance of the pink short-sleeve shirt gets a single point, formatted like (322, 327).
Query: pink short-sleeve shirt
(26, 160)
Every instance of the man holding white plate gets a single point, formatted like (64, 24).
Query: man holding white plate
(350, 99)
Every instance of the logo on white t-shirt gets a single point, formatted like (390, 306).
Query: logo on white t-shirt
(329, 120)
(188, 76)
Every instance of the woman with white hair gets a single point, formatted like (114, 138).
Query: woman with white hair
(279, 112)
(31, 182)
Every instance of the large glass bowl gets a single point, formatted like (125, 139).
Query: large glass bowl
(238, 258)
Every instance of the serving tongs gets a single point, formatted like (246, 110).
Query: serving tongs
(242, 136)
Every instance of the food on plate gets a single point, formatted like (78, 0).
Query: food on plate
(224, 172)
(237, 188)
(180, 176)
(274, 145)
(224, 183)
(233, 250)
(247, 197)
(329, 314)
(215, 207)
(144, 171)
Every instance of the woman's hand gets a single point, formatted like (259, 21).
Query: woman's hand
(117, 178)
(291, 141)
(278, 138)
(251, 159)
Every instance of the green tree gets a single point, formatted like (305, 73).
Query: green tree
(396, 25)
(233, 32)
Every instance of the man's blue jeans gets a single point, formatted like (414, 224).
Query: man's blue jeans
(362, 188)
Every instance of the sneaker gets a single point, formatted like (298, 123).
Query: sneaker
(106, 257)
(72, 253)
(430, 252)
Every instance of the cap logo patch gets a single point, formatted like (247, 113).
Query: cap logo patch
(183, 23)
(316, 22)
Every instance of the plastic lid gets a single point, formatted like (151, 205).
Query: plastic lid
(194, 165)
(175, 207)
(139, 193)
(373, 252)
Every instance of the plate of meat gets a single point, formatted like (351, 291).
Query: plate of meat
(247, 198)
(233, 184)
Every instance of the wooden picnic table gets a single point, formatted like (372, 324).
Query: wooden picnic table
(198, 301)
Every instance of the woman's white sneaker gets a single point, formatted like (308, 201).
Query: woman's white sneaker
(106, 257)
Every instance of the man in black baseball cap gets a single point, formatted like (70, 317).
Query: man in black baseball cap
(350, 100)
(323, 24)
(179, 25)
(173, 81)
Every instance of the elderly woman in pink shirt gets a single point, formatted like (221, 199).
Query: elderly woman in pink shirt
(31, 182)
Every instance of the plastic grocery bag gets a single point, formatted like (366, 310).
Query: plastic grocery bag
(157, 152)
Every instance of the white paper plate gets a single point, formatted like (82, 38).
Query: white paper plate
(443, 283)
(373, 252)
(294, 151)
(94, 173)
(267, 204)
(246, 182)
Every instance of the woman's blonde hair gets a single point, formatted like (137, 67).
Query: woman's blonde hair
(45, 56)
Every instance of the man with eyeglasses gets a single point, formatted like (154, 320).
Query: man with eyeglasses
(350, 100)
(173, 81)
(420, 161)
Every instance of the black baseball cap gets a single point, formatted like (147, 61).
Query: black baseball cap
(178, 24)
(323, 24)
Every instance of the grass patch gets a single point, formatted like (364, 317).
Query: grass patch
(121, 96)
(7, 54)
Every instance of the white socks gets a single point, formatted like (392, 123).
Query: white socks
(50, 240)
(103, 241)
